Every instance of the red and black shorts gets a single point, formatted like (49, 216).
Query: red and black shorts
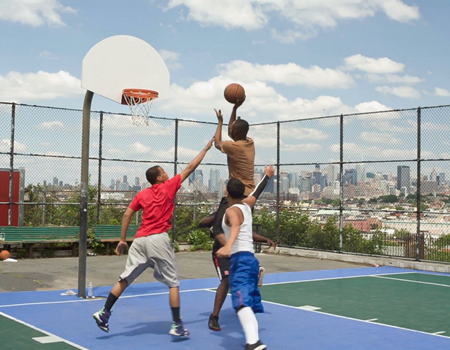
(222, 266)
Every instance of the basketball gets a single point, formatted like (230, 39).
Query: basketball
(4, 254)
(234, 92)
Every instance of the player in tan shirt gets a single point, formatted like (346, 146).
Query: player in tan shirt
(241, 162)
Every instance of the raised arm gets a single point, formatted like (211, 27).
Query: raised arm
(233, 116)
(218, 135)
(196, 161)
(251, 199)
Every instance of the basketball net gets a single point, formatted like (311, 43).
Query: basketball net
(140, 102)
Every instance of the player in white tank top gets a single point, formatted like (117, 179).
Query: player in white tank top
(244, 267)
(244, 240)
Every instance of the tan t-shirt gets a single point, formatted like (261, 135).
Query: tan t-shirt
(241, 162)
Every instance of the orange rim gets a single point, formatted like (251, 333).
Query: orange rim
(138, 95)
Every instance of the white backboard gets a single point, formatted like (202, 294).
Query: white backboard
(123, 62)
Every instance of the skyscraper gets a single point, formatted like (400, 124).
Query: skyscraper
(284, 181)
(350, 176)
(330, 171)
(214, 180)
(403, 178)
(360, 172)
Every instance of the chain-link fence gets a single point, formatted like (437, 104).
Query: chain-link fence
(372, 183)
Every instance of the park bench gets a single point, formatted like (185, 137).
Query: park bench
(111, 234)
(30, 237)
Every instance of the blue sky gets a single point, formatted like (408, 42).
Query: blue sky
(295, 58)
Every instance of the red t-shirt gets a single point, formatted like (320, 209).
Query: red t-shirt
(157, 204)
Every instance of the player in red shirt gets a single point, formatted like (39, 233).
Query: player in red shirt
(151, 246)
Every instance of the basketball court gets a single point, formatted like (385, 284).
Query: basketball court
(357, 308)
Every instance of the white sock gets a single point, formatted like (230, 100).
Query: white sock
(249, 323)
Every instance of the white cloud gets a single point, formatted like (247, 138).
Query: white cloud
(229, 14)
(400, 91)
(291, 36)
(51, 125)
(303, 15)
(441, 92)
(5, 146)
(34, 12)
(376, 137)
(373, 65)
(372, 106)
(393, 79)
(122, 125)
(18, 87)
(139, 148)
(263, 102)
(289, 74)
(399, 11)
(171, 59)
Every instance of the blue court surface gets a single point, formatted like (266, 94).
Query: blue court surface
(362, 308)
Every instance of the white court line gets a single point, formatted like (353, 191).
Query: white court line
(372, 320)
(357, 320)
(420, 282)
(186, 291)
(335, 278)
(437, 333)
(92, 300)
(42, 331)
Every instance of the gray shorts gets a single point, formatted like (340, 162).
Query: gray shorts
(154, 251)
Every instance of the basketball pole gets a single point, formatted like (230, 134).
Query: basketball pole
(84, 191)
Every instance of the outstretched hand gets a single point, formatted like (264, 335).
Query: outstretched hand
(269, 171)
(210, 143)
(239, 103)
(219, 115)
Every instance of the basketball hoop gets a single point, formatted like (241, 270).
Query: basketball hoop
(140, 102)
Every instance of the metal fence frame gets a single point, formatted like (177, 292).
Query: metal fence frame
(176, 162)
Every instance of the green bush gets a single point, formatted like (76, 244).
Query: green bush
(200, 240)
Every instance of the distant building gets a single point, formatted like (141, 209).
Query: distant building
(403, 178)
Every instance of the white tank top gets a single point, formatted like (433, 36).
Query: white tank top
(244, 240)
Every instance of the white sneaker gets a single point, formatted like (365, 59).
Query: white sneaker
(262, 270)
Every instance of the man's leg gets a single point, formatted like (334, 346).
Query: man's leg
(166, 272)
(222, 266)
(221, 295)
(244, 270)
(137, 263)
(174, 301)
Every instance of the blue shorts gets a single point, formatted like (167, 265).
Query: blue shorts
(243, 280)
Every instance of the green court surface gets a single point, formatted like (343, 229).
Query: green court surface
(412, 300)
(15, 335)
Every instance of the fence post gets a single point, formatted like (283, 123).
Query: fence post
(419, 118)
(341, 182)
(278, 182)
(100, 154)
(175, 167)
(11, 163)
(44, 201)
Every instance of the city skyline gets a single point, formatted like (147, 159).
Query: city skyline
(305, 184)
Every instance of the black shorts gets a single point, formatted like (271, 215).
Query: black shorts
(222, 266)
